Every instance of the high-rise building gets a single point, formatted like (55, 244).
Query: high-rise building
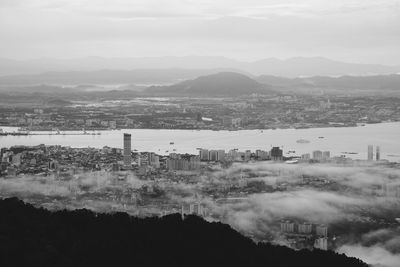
(304, 228)
(370, 152)
(287, 227)
(321, 230)
(193, 208)
(321, 243)
(317, 155)
(127, 151)
(276, 153)
(213, 155)
(204, 154)
(378, 153)
(221, 155)
(185, 162)
(154, 160)
(326, 155)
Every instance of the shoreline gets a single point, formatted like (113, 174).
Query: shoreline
(91, 131)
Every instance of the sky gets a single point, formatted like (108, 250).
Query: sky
(364, 31)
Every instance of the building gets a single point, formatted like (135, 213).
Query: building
(212, 155)
(326, 155)
(305, 228)
(127, 151)
(317, 155)
(321, 243)
(154, 160)
(370, 152)
(321, 230)
(276, 153)
(234, 155)
(262, 155)
(196, 209)
(186, 162)
(306, 156)
(378, 153)
(287, 227)
(236, 122)
(204, 155)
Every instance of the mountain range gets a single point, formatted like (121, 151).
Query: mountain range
(292, 67)
(225, 84)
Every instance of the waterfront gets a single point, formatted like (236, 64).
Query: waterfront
(336, 140)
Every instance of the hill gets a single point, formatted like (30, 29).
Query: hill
(221, 84)
(36, 237)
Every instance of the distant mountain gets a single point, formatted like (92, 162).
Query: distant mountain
(316, 66)
(221, 84)
(104, 77)
(292, 67)
(375, 83)
(37, 237)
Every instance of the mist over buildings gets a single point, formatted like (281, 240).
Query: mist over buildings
(352, 197)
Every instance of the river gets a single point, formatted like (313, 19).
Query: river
(336, 140)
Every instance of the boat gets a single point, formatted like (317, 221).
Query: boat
(320, 137)
(302, 141)
(171, 143)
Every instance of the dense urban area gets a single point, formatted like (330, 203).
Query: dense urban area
(147, 184)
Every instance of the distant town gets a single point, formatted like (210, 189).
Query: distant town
(244, 112)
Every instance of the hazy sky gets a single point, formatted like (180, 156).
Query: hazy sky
(350, 30)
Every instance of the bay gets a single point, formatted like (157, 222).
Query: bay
(336, 140)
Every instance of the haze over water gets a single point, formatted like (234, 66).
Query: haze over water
(336, 140)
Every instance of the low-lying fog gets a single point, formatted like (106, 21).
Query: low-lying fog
(359, 203)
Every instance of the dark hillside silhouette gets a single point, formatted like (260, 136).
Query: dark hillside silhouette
(32, 236)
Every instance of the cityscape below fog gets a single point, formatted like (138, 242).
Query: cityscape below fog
(211, 184)
(200, 133)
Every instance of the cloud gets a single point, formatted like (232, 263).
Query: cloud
(350, 30)
(377, 256)
(344, 197)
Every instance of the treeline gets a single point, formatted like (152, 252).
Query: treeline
(32, 236)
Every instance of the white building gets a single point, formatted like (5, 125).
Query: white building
(321, 243)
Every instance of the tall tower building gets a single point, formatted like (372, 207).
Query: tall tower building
(378, 153)
(370, 152)
(276, 153)
(127, 151)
